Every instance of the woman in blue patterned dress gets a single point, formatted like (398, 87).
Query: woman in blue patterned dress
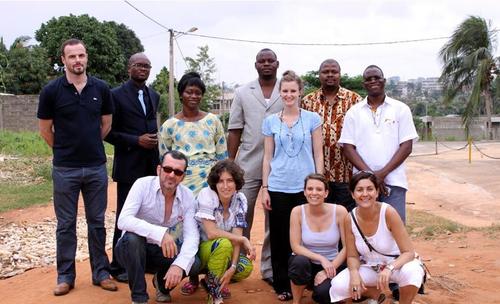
(197, 134)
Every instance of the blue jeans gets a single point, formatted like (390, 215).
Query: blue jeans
(397, 199)
(138, 256)
(93, 183)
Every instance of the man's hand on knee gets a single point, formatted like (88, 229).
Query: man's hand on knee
(168, 246)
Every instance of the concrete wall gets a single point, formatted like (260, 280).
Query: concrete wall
(18, 112)
(447, 128)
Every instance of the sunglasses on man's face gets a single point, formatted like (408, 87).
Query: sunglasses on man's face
(169, 170)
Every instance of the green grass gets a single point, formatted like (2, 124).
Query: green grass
(428, 226)
(23, 144)
(15, 196)
(30, 144)
(31, 166)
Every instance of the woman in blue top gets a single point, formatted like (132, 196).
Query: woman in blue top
(292, 150)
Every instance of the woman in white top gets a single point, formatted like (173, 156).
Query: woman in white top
(390, 257)
(316, 229)
(221, 213)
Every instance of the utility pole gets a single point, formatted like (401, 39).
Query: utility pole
(171, 98)
(171, 95)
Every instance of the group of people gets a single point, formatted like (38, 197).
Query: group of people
(311, 159)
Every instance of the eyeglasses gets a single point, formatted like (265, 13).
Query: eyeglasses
(141, 66)
(373, 78)
(169, 170)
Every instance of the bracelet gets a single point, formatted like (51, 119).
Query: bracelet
(265, 186)
(233, 266)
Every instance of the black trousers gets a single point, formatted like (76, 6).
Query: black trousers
(122, 190)
(338, 193)
(302, 271)
(279, 229)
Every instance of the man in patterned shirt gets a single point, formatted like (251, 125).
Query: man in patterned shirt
(331, 102)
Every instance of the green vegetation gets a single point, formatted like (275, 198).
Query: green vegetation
(109, 45)
(428, 226)
(27, 178)
(469, 69)
(14, 196)
(30, 144)
(27, 65)
(311, 83)
(23, 144)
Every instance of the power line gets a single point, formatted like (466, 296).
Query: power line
(292, 43)
(180, 51)
(315, 44)
(145, 15)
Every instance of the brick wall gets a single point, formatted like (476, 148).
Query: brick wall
(18, 112)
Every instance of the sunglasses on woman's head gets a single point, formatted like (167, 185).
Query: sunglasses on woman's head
(169, 170)
(364, 171)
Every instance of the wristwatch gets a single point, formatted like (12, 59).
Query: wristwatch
(390, 267)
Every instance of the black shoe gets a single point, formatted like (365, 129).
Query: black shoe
(122, 277)
(268, 281)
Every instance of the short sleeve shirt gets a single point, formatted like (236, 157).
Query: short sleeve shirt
(77, 120)
(377, 136)
(210, 208)
(337, 167)
(293, 156)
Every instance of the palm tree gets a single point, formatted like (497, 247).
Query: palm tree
(469, 67)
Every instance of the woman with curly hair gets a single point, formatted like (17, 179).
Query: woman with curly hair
(221, 214)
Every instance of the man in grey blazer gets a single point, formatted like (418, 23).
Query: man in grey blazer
(251, 104)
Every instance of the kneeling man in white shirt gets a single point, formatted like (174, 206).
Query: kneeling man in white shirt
(160, 234)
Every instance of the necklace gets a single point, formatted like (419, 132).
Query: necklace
(376, 122)
(290, 135)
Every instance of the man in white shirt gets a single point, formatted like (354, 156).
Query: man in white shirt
(160, 233)
(378, 136)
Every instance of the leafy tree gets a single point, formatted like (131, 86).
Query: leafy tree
(4, 62)
(205, 66)
(27, 68)
(311, 83)
(469, 66)
(108, 44)
(129, 44)
(353, 83)
(160, 85)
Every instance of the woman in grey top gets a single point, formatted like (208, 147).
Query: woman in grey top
(316, 228)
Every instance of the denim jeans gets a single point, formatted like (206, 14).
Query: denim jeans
(397, 199)
(138, 256)
(93, 183)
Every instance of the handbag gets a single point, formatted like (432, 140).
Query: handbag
(394, 288)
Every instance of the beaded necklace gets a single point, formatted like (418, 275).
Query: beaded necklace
(290, 135)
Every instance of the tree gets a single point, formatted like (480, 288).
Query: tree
(27, 68)
(469, 67)
(108, 44)
(160, 85)
(129, 44)
(311, 83)
(205, 66)
(4, 62)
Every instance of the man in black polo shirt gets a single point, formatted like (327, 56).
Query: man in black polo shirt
(74, 114)
(133, 133)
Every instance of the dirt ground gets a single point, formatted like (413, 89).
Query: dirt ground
(465, 267)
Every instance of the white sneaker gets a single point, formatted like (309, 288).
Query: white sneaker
(160, 296)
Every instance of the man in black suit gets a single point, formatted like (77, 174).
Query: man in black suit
(133, 134)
